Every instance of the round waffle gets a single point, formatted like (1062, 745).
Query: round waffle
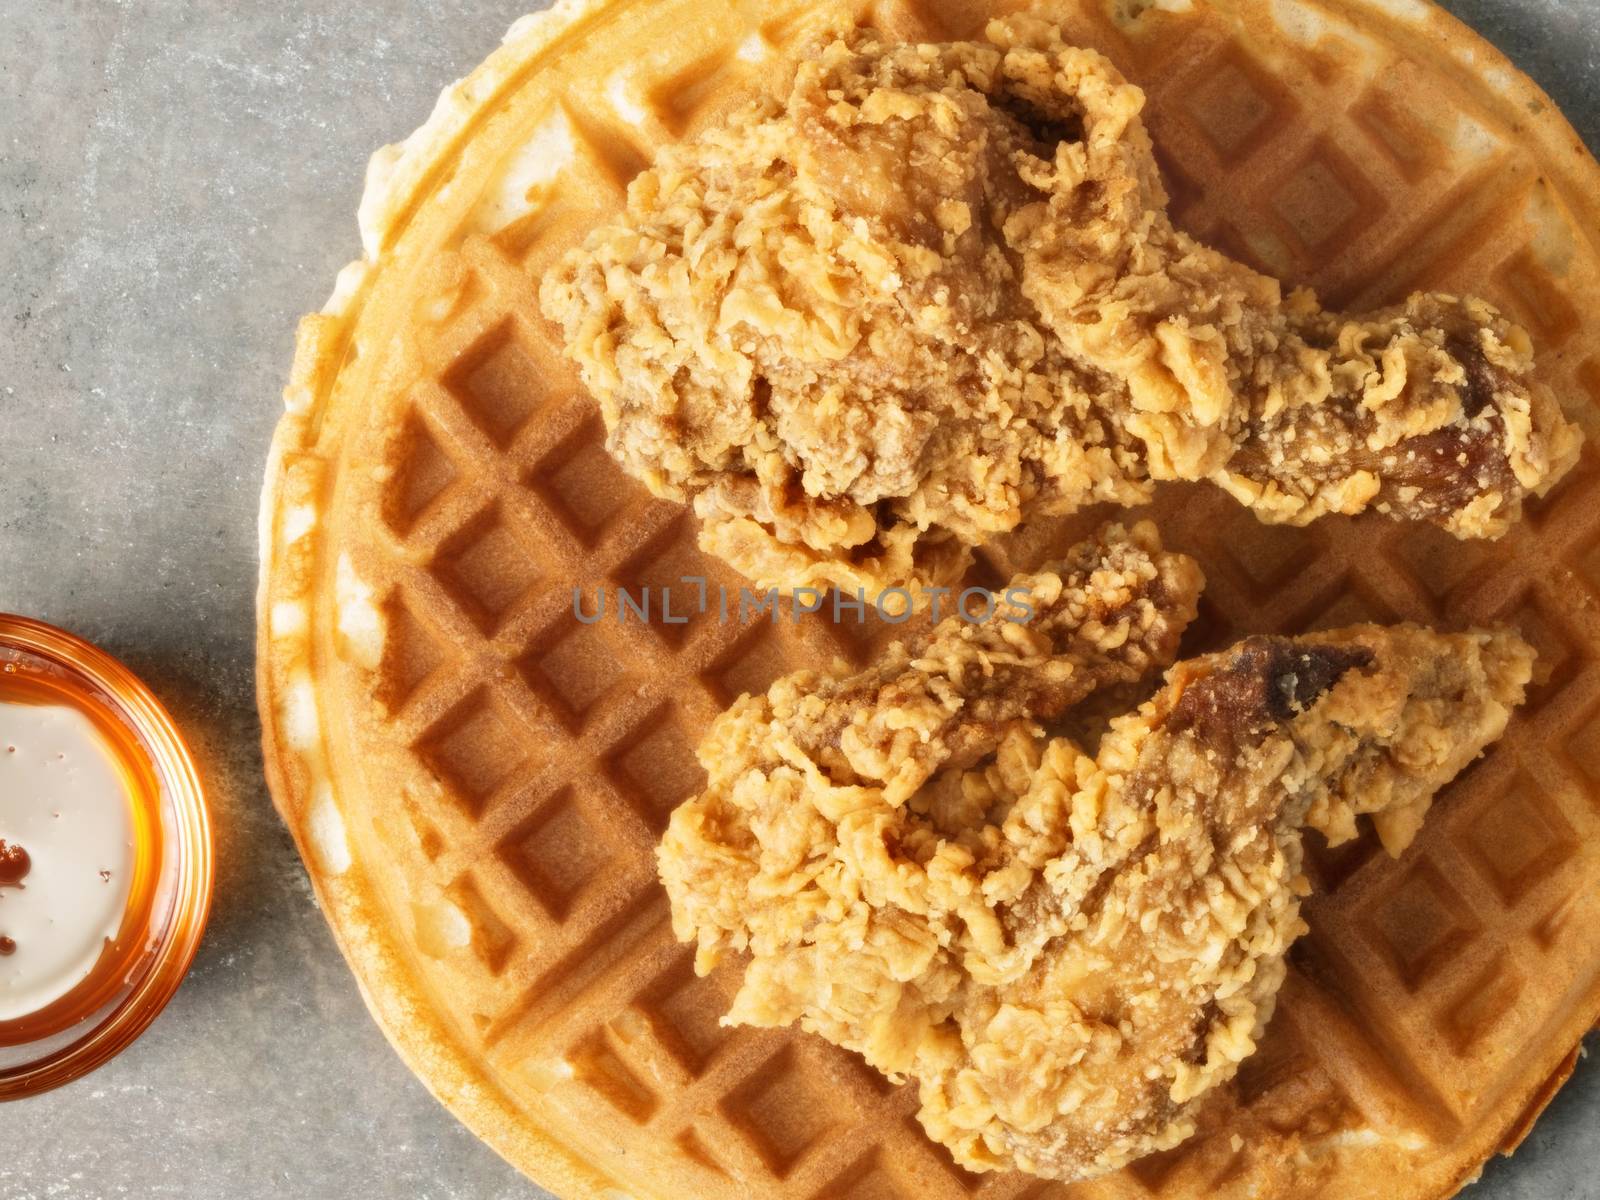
(477, 780)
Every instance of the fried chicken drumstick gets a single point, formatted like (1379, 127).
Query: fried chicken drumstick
(934, 290)
(1066, 952)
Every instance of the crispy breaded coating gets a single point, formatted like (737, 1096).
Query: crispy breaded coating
(1109, 613)
(1066, 953)
(934, 291)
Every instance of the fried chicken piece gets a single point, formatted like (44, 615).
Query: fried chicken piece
(1066, 953)
(934, 291)
(1424, 410)
(1111, 612)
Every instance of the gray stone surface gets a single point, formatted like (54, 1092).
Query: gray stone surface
(177, 184)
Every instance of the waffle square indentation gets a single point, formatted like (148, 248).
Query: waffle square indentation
(558, 852)
(1154, 1171)
(1442, 565)
(583, 485)
(1481, 1006)
(1335, 866)
(663, 565)
(411, 654)
(571, 668)
(491, 939)
(486, 569)
(1520, 839)
(783, 1109)
(869, 1177)
(656, 768)
(1537, 299)
(1350, 601)
(1396, 134)
(1420, 924)
(1325, 198)
(595, 1062)
(680, 96)
(612, 151)
(1236, 104)
(1268, 556)
(497, 383)
(685, 1009)
(1583, 749)
(474, 751)
(749, 667)
(420, 473)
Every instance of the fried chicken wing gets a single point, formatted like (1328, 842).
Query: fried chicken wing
(933, 291)
(1066, 952)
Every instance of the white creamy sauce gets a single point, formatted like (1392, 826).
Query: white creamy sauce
(63, 802)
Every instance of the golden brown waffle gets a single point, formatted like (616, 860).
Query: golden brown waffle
(477, 781)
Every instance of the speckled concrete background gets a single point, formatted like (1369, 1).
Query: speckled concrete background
(178, 180)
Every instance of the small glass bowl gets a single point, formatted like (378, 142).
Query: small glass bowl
(181, 891)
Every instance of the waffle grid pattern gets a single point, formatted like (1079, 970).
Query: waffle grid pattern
(544, 755)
